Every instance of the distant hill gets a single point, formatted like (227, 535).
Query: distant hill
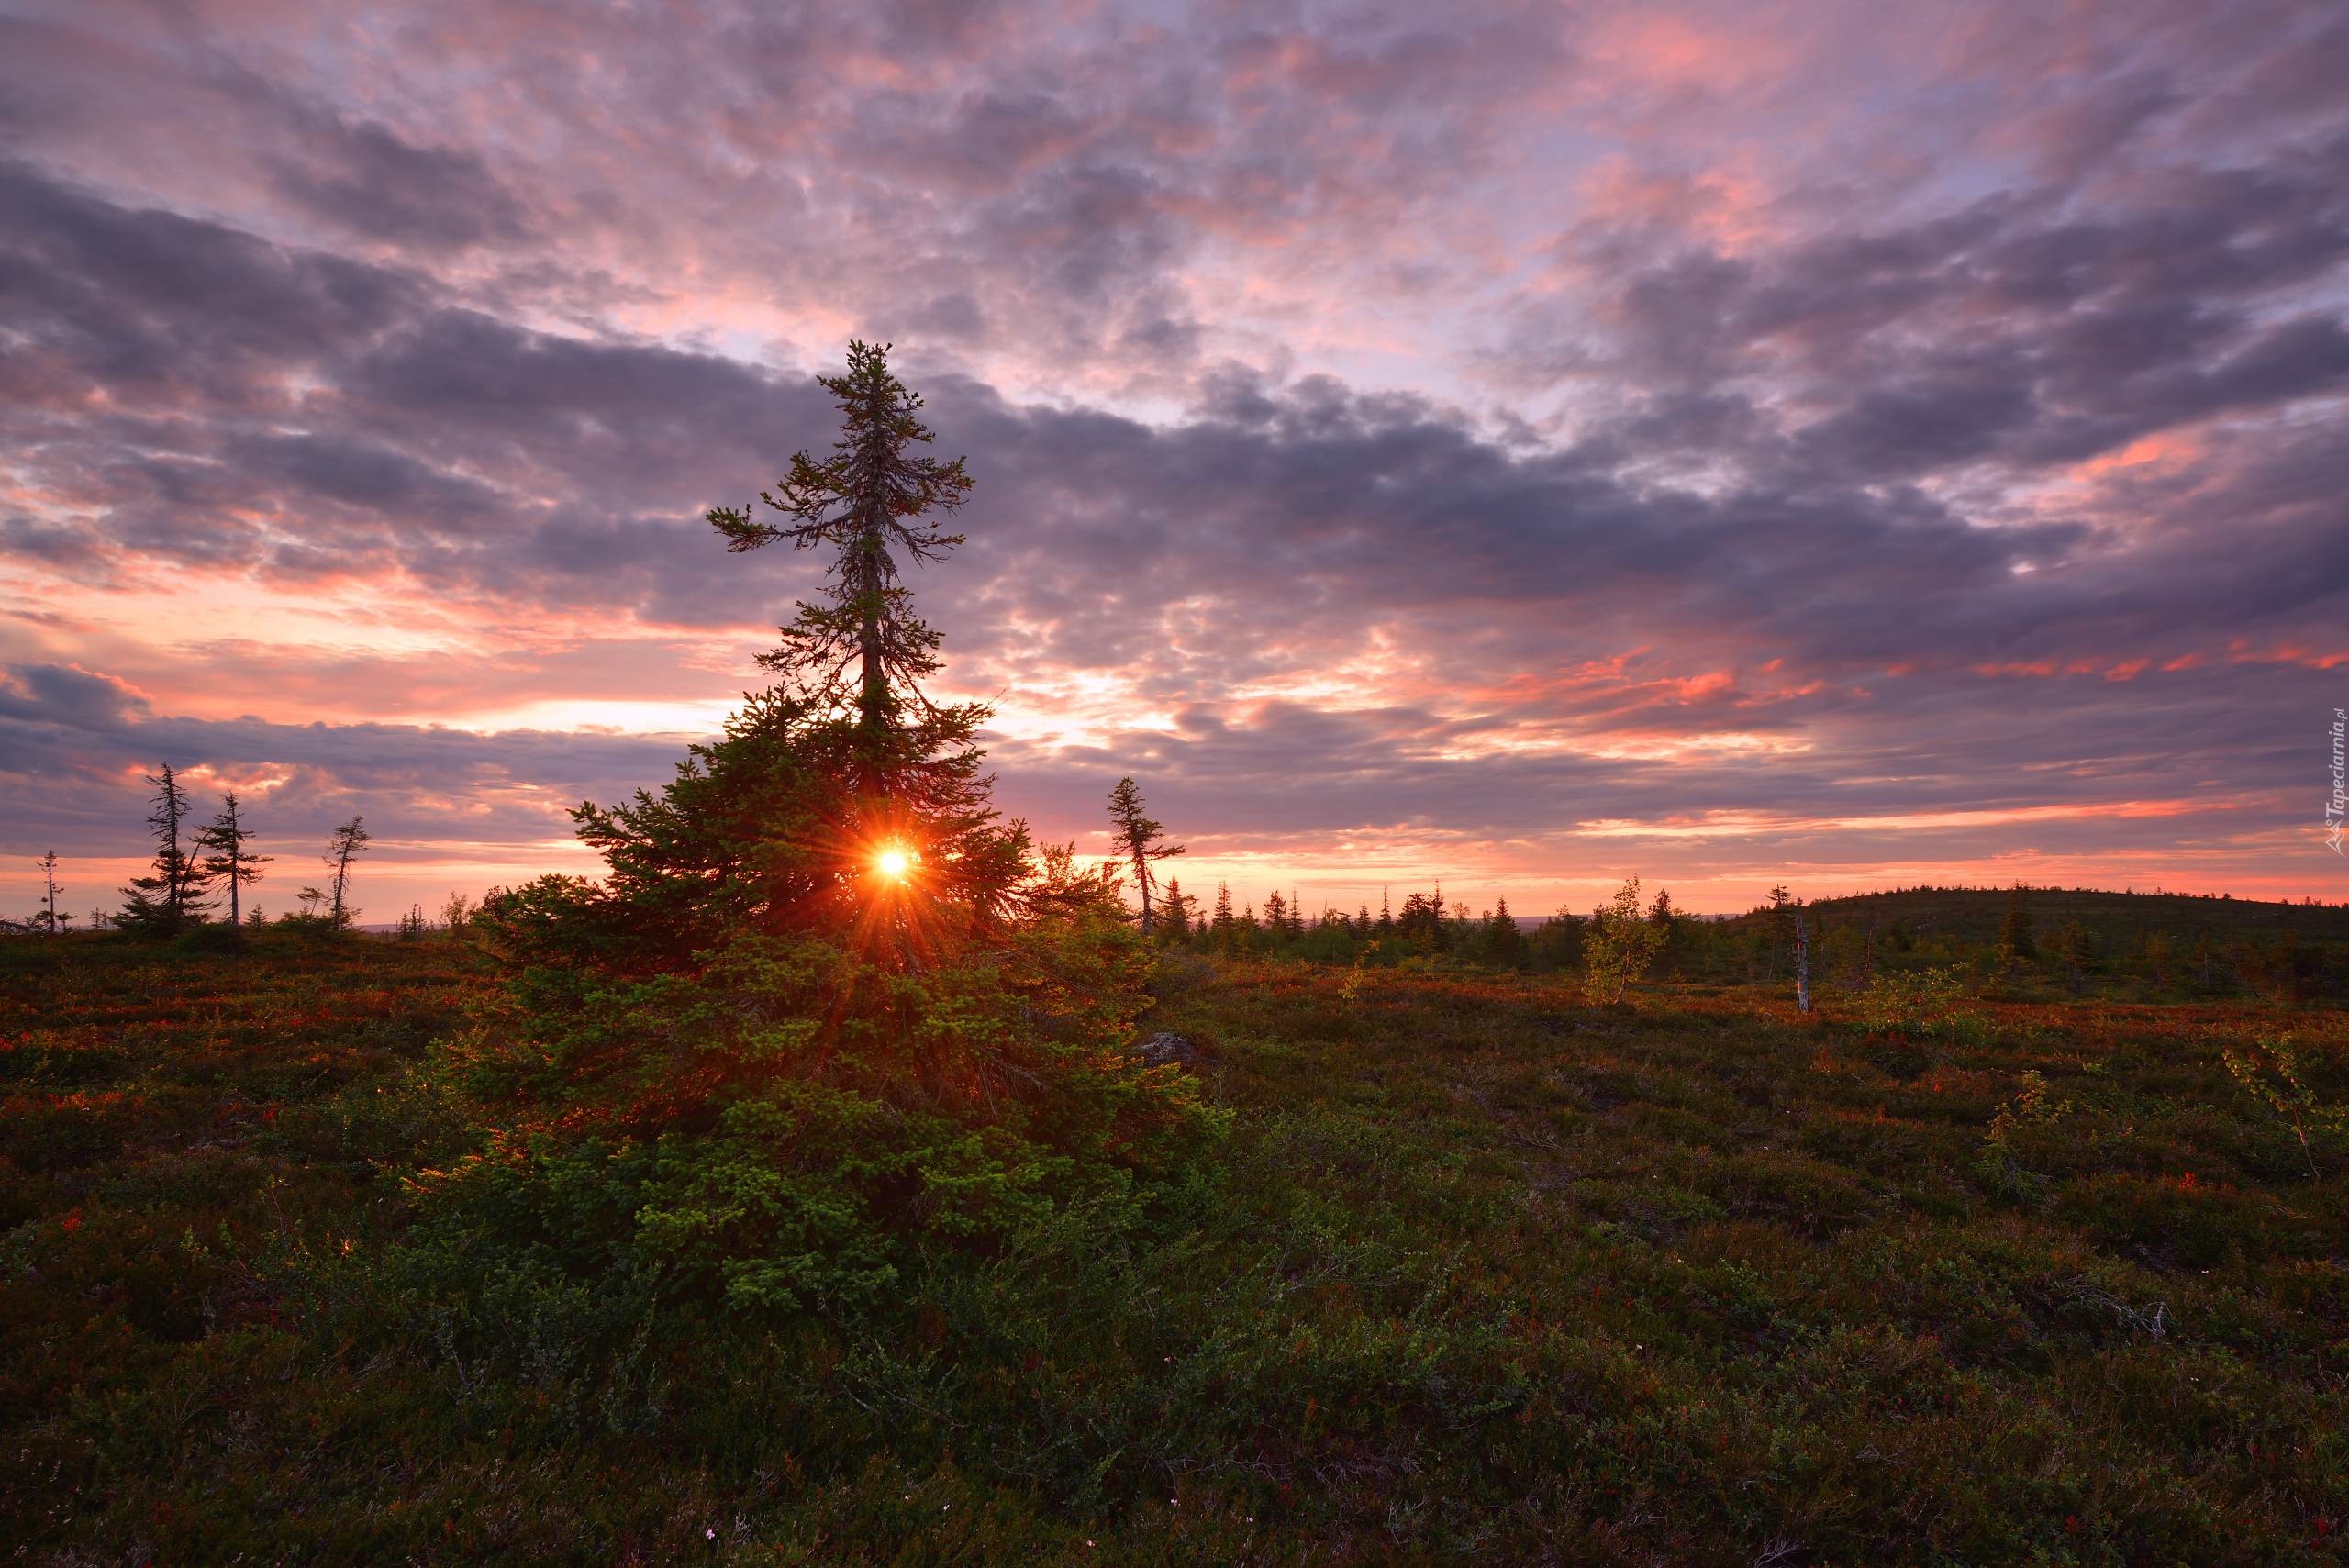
(1973, 914)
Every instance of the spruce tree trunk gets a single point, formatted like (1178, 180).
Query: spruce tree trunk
(175, 883)
(872, 701)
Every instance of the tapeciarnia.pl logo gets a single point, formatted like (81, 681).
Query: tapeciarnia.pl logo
(2333, 808)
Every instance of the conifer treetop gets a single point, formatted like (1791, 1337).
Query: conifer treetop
(172, 897)
(862, 500)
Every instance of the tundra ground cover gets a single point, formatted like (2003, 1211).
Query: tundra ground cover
(1481, 1268)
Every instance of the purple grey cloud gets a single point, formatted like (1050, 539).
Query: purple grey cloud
(1701, 438)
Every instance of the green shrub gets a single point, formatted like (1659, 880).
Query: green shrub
(211, 936)
(1618, 946)
(1920, 1004)
(782, 1132)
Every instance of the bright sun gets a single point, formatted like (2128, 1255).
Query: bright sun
(892, 864)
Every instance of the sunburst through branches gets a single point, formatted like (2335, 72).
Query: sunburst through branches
(827, 1011)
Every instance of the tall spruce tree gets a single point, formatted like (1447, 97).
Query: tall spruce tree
(170, 899)
(1138, 839)
(827, 1014)
(842, 799)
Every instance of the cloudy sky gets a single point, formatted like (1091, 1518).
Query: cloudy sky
(1521, 445)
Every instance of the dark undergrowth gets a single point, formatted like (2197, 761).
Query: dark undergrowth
(1482, 1272)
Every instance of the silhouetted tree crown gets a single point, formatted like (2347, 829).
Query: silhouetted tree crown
(1179, 909)
(50, 919)
(170, 899)
(1138, 840)
(860, 502)
(344, 845)
(229, 861)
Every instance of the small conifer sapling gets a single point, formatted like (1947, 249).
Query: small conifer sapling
(229, 861)
(169, 897)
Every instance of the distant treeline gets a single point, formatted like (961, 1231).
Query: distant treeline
(2199, 944)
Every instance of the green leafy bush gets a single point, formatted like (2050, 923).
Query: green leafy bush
(781, 1130)
(2269, 1070)
(1921, 1004)
(1618, 946)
